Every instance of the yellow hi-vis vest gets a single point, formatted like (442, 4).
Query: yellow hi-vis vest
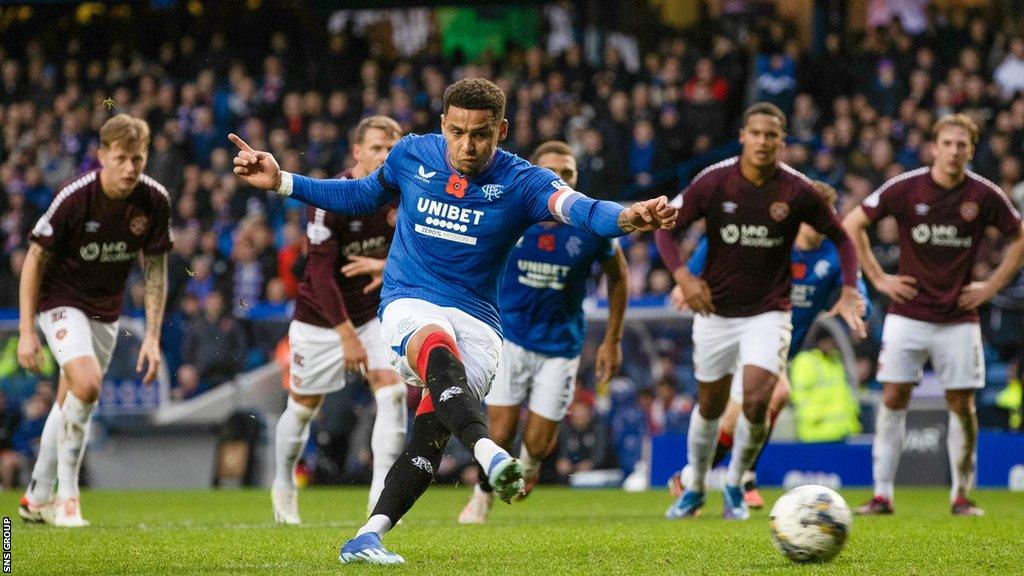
(826, 409)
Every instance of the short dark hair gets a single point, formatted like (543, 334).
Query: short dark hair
(768, 109)
(475, 94)
(551, 147)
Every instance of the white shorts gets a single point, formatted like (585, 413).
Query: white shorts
(954, 349)
(71, 334)
(549, 381)
(478, 343)
(317, 363)
(721, 345)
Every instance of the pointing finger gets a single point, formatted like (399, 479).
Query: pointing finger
(240, 142)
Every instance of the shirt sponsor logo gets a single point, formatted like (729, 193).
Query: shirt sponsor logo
(492, 191)
(542, 274)
(778, 211)
(446, 221)
(751, 235)
(106, 252)
(940, 235)
(423, 175)
(366, 247)
(969, 211)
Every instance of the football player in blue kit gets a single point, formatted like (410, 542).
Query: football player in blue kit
(541, 302)
(464, 204)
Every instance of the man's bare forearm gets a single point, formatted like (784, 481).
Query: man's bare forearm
(156, 292)
(36, 262)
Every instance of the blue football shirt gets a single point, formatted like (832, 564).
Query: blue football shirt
(545, 281)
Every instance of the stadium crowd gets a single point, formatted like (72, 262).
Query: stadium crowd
(644, 107)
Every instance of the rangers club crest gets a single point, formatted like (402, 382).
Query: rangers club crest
(778, 211)
(138, 225)
(969, 211)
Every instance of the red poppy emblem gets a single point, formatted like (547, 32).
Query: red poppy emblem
(546, 242)
(456, 186)
(798, 270)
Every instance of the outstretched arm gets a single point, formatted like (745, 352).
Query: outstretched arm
(361, 196)
(609, 219)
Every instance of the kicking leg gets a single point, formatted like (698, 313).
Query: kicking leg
(502, 421)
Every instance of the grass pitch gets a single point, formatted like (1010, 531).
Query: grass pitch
(555, 531)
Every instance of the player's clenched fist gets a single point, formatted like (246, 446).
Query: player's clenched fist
(648, 215)
(255, 168)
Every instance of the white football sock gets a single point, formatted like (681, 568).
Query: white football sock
(71, 440)
(290, 436)
(890, 427)
(531, 465)
(388, 437)
(747, 440)
(45, 471)
(962, 444)
(378, 523)
(485, 450)
(700, 447)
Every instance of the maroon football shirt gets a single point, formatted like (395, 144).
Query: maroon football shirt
(940, 232)
(750, 231)
(326, 296)
(94, 240)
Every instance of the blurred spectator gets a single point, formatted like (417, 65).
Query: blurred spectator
(214, 346)
(582, 441)
(1009, 75)
(826, 409)
(10, 462)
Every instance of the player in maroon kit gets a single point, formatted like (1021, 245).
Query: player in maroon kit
(335, 326)
(752, 206)
(942, 212)
(72, 283)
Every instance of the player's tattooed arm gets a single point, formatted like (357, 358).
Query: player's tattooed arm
(30, 350)
(155, 275)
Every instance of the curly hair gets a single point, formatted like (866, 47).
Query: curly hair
(475, 94)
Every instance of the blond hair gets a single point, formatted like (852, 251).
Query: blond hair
(126, 130)
(958, 121)
(551, 147)
(380, 122)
